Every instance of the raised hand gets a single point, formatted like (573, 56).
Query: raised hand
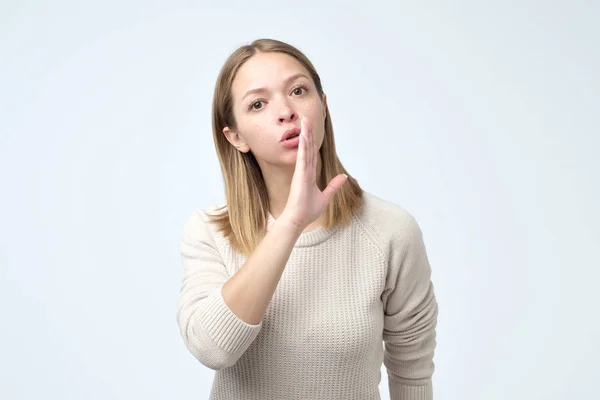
(306, 202)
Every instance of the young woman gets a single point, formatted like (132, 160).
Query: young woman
(301, 284)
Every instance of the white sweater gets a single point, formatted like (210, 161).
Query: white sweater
(349, 299)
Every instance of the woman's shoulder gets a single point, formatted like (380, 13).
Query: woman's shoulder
(385, 219)
(201, 219)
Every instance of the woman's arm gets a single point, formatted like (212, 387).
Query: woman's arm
(249, 291)
(410, 319)
(219, 315)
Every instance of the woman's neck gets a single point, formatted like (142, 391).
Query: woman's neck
(278, 183)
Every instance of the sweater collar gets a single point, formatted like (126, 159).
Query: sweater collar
(306, 239)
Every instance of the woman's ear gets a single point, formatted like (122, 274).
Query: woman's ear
(236, 140)
(324, 105)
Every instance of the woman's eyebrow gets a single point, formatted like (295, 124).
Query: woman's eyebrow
(286, 81)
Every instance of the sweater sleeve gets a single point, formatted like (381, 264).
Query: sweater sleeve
(410, 315)
(210, 330)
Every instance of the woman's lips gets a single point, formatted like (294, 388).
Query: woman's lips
(289, 133)
(291, 142)
(291, 138)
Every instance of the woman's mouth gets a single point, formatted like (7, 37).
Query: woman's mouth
(292, 141)
(291, 134)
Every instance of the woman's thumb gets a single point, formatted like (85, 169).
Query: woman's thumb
(335, 185)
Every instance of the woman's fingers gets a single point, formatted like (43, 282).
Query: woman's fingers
(310, 144)
(301, 156)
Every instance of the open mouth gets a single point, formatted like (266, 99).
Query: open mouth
(291, 134)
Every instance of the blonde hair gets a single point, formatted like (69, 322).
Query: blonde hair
(243, 220)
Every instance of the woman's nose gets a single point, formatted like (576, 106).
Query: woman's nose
(287, 114)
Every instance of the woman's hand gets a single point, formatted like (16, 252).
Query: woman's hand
(306, 202)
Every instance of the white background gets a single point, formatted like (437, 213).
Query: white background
(480, 118)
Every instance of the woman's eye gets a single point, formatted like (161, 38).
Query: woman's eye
(256, 105)
(299, 90)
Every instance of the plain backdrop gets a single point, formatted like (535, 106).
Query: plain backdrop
(480, 118)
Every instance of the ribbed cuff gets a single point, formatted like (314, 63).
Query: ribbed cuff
(224, 328)
(401, 391)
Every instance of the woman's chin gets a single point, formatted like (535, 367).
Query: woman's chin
(289, 158)
(285, 161)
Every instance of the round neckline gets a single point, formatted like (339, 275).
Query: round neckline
(310, 238)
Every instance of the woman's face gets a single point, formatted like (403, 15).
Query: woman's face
(271, 93)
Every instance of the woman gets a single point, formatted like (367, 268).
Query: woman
(293, 285)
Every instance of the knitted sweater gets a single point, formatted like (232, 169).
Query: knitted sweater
(349, 299)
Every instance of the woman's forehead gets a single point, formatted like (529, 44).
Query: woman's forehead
(266, 70)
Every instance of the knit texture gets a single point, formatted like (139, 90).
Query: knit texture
(348, 300)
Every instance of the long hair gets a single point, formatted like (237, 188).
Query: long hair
(243, 220)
